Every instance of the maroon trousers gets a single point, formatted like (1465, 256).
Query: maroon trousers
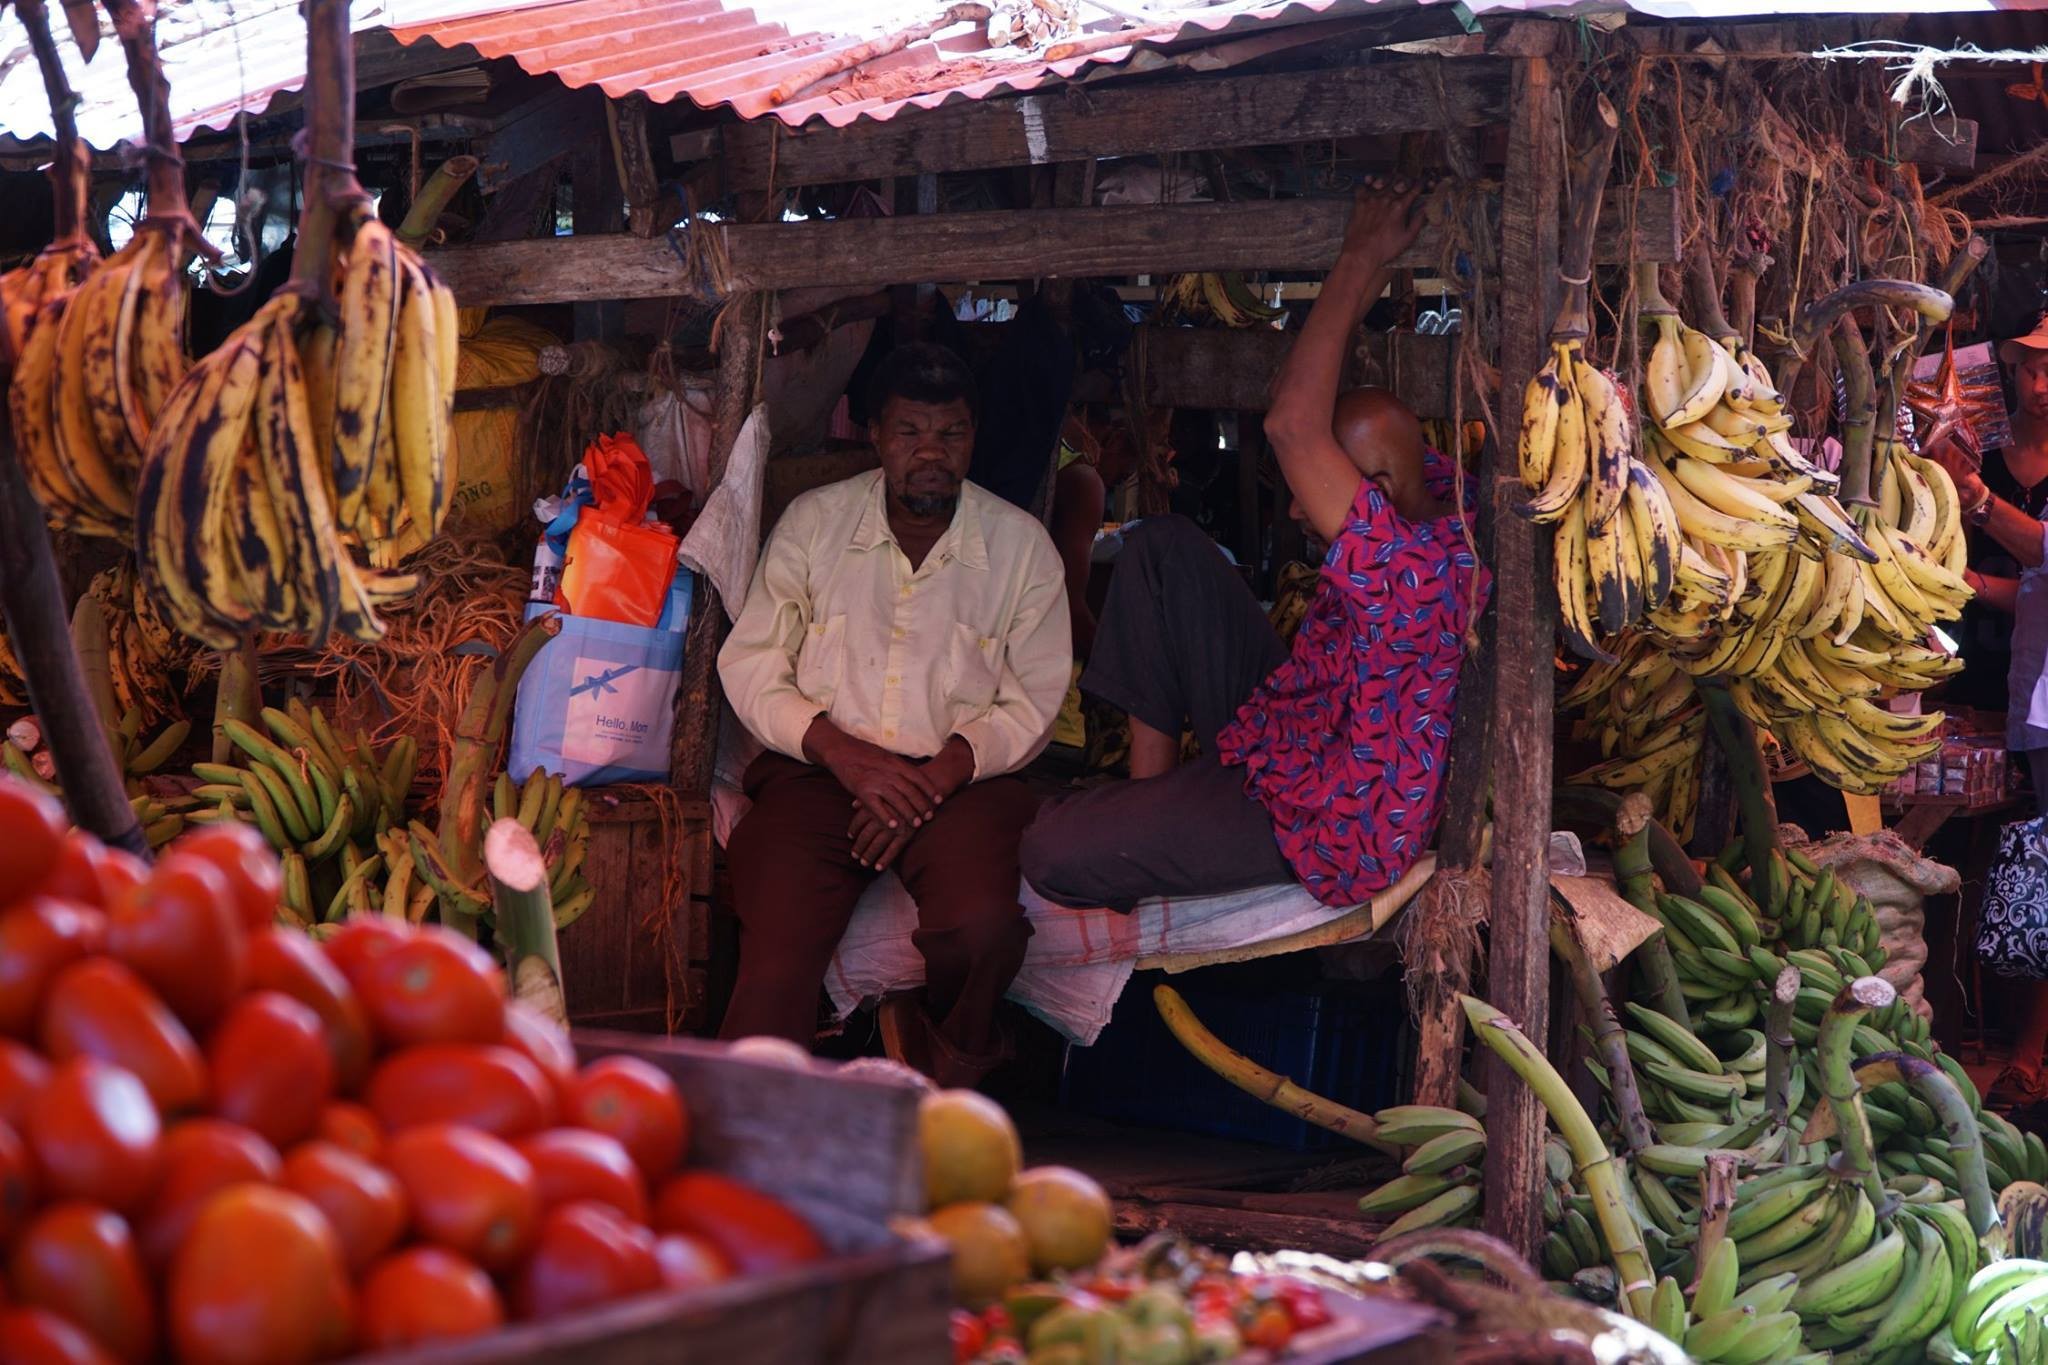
(795, 884)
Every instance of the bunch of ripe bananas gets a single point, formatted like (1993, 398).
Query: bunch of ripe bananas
(1618, 549)
(1222, 295)
(142, 651)
(1812, 614)
(95, 373)
(48, 279)
(298, 444)
(13, 682)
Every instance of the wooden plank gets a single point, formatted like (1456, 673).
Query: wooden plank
(1072, 124)
(1525, 634)
(1945, 143)
(955, 248)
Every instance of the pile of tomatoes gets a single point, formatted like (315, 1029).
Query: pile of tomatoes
(223, 1142)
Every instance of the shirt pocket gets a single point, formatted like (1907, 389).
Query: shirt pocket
(971, 670)
(821, 663)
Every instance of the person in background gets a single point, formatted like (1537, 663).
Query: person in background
(2004, 504)
(1323, 765)
(901, 653)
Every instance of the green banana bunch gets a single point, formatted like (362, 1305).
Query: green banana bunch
(560, 823)
(1439, 1181)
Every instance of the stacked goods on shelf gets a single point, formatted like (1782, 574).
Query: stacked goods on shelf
(222, 1141)
(1813, 609)
(1864, 1183)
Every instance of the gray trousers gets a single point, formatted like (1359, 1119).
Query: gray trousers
(1182, 643)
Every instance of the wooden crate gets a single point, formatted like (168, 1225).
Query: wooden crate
(843, 1150)
(637, 958)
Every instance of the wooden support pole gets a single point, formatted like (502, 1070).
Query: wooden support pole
(1525, 613)
(699, 700)
(32, 602)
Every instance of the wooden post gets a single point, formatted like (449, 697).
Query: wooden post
(699, 700)
(1525, 633)
(32, 603)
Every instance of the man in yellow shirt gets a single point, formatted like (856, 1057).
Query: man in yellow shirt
(902, 652)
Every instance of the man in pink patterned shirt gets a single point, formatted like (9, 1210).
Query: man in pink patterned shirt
(1323, 764)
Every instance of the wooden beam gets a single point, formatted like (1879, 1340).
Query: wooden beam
(1072, 123)
(1525, 643)
(956, 248)
(1233, 368)
(1948, 144)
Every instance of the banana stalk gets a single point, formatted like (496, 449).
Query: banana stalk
(1951, 1109)
(238, 696)
(1610, 1040)
(1859, 415)
(89, 638)
(1633, 875)
(433, 199)
(135, 25)
(1587, 804)
(525, 917)
(71, 169)
(1738, 743)
(1838, 1079)
(477, 737)
(1255, 1080)
(1818, 319)
(1575, 257)
(1704, 284)
(1605, 1179)
(1778, 1043)
(330, 143)
(1717, 1200)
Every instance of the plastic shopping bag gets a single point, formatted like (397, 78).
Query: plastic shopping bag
(597, 704)
(617, 572)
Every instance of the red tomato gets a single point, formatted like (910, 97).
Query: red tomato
(1269, 1329)
(437, 987)
(202, 1157)
(970, 1336)
(362, 1201)
(363, 938)
(426, 1294)
(688, 1262)
(17, 1182)
(244, 858)
(79, 1261)
(90, 873)
(468, 1191)
(752, 1230)
(31, 835)
(587, 1254)
(39, 937)
(575, 1163)
(492, 1088)
(260, 1282)
(178, 932)
(23, 1074)
(545, 1043)
(637, 1104)
(285, 960)
(271, 1068)
(35, 1336)
(352, 1127)
(95, 1135)
(98, 1008)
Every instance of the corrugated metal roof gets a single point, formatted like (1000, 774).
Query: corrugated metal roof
(222, 56)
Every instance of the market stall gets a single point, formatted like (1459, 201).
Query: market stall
(321, 567)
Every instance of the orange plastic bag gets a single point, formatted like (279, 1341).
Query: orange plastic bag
(616, 572)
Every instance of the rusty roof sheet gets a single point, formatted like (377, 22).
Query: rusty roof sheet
(224, 56)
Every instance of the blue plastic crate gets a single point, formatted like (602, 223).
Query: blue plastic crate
(1345, 1041)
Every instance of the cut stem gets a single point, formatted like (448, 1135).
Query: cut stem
(238, 696)
(1738, 741)
(1255, 1080)
(1603, 1175)
(1838, 1080)
(1779, 1057)
(1610, 1040)
(1575, 254)
(525, 917)
(1634, 877)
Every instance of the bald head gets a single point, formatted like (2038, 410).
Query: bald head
(1384, 440)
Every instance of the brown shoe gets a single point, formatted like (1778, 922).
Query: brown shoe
(906, 1035)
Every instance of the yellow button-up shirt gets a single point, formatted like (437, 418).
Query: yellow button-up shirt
(974, 642)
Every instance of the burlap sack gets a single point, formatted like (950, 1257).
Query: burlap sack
(1896, 880)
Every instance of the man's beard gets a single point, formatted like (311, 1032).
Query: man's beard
(931, 506)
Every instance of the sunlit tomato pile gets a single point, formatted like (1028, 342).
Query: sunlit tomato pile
(222, 1142)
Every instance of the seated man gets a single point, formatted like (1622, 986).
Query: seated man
(1324, 765)
(903, 650)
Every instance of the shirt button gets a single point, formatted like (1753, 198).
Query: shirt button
(906, 590)
(898, 633)
(892, 680)
(888, 734)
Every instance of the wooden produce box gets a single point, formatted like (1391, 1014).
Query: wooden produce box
(637, 958)
(841, 1150)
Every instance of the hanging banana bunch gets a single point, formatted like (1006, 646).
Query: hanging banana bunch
(319, 431)
(61, 265)
(95, 375)
(1222, 295)
(1813, 613)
